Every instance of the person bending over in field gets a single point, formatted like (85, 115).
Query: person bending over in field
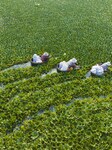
(40, 59)
(72, 63)
(45, 57)
(68, 66)
(63, 66)
(99, 69)
(36, 59)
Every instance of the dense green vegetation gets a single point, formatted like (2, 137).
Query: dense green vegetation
(83, 125)
(80, 28)
(62, 110)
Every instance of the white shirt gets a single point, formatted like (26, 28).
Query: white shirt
(37, 58)
(63, 66)
(97, 70)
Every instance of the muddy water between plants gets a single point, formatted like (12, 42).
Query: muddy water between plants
(54, 70)
(52, 109)
(88, 74)
(28, 64)
(2, 86)
(24, 65)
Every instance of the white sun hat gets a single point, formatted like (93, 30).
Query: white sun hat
(72, 61)
(46, 54)
(35, 55)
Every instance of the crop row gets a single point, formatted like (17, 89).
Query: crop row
(15, 75)
(83, 125)
(12, 75)
(28, 103)
(35, 83)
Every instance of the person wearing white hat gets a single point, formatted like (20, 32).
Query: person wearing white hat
(63, 66)
(36, 58)
(100, 69)
(68, 66)
(97, 70)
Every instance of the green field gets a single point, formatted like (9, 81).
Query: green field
(77, 112)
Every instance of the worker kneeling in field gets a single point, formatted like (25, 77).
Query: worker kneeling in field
(40, 59)
(100, 69)
(67, 66)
